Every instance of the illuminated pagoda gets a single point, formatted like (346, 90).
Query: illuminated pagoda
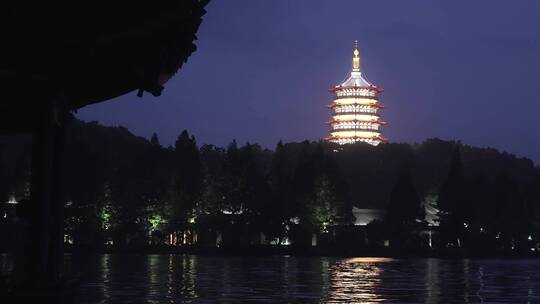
(355, 116)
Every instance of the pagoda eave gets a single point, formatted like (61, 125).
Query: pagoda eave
(358, 138)
(371, 88)
(377, 105)
(377, 122)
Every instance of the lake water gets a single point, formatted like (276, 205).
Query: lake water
(208, 279)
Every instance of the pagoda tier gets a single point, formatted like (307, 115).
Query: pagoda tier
(355, 110)
(355, 104)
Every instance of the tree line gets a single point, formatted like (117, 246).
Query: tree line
(122, 189)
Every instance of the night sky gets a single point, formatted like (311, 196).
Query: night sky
(467, 70)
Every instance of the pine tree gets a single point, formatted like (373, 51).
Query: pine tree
(279, 180)
(405, 211)
(454, 208)
(186, 181)
(154, 140)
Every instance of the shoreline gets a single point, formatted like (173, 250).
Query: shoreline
(302, 252)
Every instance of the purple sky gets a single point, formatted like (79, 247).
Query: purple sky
(467, 70)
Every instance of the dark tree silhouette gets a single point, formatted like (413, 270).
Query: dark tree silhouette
(276, 209)
(405, 212)
(512, 223)
(454, 204)
(187, 181)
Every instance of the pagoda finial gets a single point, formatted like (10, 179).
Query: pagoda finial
(356, 58)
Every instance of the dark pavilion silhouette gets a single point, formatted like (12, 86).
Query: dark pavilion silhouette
(58, 57)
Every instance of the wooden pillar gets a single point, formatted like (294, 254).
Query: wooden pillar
(43, 252)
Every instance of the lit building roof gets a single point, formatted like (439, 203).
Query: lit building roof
(356, 80)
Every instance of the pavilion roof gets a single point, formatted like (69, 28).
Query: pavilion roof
(85, 52)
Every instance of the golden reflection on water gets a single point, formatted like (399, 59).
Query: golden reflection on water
(356, 280)
(369, 260)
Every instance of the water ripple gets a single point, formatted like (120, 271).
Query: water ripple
(206, 279)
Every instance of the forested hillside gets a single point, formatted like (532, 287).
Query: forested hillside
(121, 187)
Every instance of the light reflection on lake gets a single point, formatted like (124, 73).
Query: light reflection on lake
(210, 279)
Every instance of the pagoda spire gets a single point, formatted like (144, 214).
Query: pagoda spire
(356, 58)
